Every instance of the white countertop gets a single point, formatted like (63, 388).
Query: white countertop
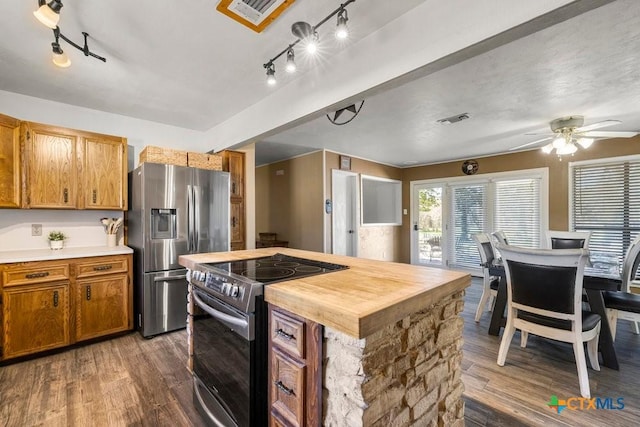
(50, 254)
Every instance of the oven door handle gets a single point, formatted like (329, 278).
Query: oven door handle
(223, 317)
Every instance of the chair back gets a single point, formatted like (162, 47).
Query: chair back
(544, 281)
(485, 248)
(630, 264)
(568, 239)
(500, 237)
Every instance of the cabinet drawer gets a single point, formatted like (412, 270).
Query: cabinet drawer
(287, 332)
(24, 275)
(287, 389)
(98, 267)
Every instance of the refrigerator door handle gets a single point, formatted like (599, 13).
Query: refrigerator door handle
(189, 219)
(169, 278)
(196, 218)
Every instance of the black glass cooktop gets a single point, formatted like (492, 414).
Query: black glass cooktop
(276, 268)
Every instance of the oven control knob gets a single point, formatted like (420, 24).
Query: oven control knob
(235, 291)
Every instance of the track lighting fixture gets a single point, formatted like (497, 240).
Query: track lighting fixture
(308, 34)
(342, 32)
(291, 62)
(49, 15)
(271, 74)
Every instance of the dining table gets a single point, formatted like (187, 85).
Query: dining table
(595, 281)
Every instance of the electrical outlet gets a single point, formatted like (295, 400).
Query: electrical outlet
(36, 229)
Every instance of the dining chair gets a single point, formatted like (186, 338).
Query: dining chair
(544, 297)
(623, 304)
(500, 237)
(489, 283)
(567, 239)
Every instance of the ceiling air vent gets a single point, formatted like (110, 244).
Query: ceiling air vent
(454, 119)
(255, 14)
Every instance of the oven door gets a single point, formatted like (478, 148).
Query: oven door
(223, 353)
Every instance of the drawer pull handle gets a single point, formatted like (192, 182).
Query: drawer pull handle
(233, 188)
(36, 275)
(285, 335)
(55, 298)
(65, 195)
(88, 292)
(286, 390)
(95, 196)
(103, 268)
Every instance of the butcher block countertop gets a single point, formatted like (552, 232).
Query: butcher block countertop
(357, 301)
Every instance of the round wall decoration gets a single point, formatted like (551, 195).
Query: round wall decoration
(470, 167)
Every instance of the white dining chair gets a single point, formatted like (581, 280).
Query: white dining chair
(544, 289)
(489, 283)
(624, 304)
(567, 239)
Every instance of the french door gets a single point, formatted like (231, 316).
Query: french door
(446, 215)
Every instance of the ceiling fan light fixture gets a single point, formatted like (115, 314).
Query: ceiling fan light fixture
(559, 142)
(547, 148)
(48, 14)
(569, 148)
(585, 142)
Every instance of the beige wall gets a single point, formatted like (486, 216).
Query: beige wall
(291, 204)
(375, 242)
(558, 177)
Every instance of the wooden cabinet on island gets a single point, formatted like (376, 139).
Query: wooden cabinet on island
(49, 167)
(391, 346)
(51, 304)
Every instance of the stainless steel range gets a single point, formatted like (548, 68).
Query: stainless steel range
(230, 339)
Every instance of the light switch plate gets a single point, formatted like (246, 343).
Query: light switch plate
(36, 229)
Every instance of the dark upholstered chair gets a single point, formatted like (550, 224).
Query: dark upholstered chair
(489, 283)
(624, 304)
(545, 298)
(568, 239)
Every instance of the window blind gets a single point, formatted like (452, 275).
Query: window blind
(606, 201)
(517, 211)
(468, 212)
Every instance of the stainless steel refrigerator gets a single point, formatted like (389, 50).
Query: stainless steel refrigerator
(173, 210)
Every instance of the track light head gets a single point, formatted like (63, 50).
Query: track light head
(271, 74)
(291, 63)
(342, 31)
(60, 58)
(48, 14)
(312, 43)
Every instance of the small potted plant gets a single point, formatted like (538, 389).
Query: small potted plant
(56, 239)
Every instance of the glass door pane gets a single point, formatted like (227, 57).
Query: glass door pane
(468, 213)
(428, 244)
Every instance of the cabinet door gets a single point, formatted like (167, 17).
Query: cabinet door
(51, 161)
(103, 174)
(102, 306)
(9, 162)
(235, 166)
(237, 225)
(35, 318)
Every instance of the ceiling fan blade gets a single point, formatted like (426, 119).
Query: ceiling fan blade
(598, 125)
(605, 134)
(532, 143)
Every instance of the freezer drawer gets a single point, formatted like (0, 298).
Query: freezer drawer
(164, 302)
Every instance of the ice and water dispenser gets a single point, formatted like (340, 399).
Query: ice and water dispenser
(163, 224)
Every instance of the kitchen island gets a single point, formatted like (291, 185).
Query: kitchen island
(392, 336)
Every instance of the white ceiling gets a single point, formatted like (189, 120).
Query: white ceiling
(187, 65)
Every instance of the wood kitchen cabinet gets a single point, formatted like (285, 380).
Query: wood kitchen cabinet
(295, 370)
(104, 172)
(51, 304)
(51, 163)
(234, 163)
(102, 297)
(9, 162)
(48, 167)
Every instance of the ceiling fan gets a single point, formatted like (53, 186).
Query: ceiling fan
(569, 131)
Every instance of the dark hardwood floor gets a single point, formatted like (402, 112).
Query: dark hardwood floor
(131, 381)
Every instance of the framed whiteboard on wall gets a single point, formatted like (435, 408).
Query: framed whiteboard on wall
(381, 201)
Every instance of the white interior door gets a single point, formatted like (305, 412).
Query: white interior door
(344, 193)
